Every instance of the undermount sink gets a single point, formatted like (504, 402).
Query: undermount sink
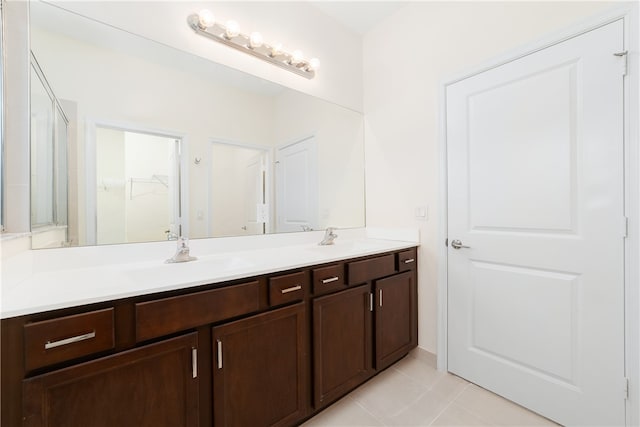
(203, 267)
(350, 246)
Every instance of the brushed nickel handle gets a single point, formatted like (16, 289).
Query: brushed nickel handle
(370, 301)
(291, 289)
(409, 261)
(53, 344)
(331, 279)
(219, 344)
(380, 297)
(457, 244)
(194, 362)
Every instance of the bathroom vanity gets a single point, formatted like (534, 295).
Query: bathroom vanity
(271, 348)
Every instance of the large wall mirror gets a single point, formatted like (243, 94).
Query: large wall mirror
(161, 142)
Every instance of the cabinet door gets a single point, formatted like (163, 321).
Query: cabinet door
(396, 317)
(342, 342)
(260, 374)
(149, 386)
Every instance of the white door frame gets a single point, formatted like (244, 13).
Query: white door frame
(90, 178)
(630, 14)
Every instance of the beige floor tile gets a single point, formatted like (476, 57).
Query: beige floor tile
(496, 410)
(345, 412)
(422, 412)
(449, 386)
(424, 355)
(418, 370)
(455, 415)
(388, 394)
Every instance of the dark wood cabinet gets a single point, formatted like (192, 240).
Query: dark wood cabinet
(342, 343)
(395, 317)
(268, 350)
(260, 369)
(153, 385)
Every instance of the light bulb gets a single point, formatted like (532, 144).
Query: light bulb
(233, 29)
(314, 64)
(296, 57)
(276, 49)
(255, 39)
(206, 19)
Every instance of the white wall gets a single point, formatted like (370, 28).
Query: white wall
(111, 186)
(406, 57)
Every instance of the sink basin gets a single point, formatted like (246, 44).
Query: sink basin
(351, 246)
(205, 267)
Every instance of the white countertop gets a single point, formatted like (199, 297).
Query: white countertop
(43, 280)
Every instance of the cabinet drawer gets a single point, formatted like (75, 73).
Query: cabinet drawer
(369, 269)
(407, 260)
(288, 288)
(169, 315)
(328, 279)
(65, 338)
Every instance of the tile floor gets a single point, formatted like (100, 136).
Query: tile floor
(413, 393)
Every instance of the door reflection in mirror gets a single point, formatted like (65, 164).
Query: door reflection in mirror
(240, 190)
(297, 185)
(137, 197)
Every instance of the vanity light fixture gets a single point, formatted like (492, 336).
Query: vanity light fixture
(205, 24)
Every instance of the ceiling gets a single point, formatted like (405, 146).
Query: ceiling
(358, 16)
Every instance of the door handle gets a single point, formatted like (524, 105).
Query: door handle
(457, 244)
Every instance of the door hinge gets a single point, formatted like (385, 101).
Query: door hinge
(623, 55)
(194, 362)
(446, 242)
(625, 388)
(625, 227)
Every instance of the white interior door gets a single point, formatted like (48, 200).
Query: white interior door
(535, 189)
(297, 186)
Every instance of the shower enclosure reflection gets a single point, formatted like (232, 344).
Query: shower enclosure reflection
(48, 162)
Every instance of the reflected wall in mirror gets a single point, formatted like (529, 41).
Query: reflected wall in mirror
(110, 76)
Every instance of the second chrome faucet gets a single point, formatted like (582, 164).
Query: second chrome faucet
(329, 237)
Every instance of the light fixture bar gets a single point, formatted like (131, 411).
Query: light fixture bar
(242, 42)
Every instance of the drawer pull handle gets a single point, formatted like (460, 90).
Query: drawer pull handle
(291, 289)
(53, 344)
(409, 261)
(331, 279)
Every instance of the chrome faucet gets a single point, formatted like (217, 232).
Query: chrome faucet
(329, 237)
(182, 252)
